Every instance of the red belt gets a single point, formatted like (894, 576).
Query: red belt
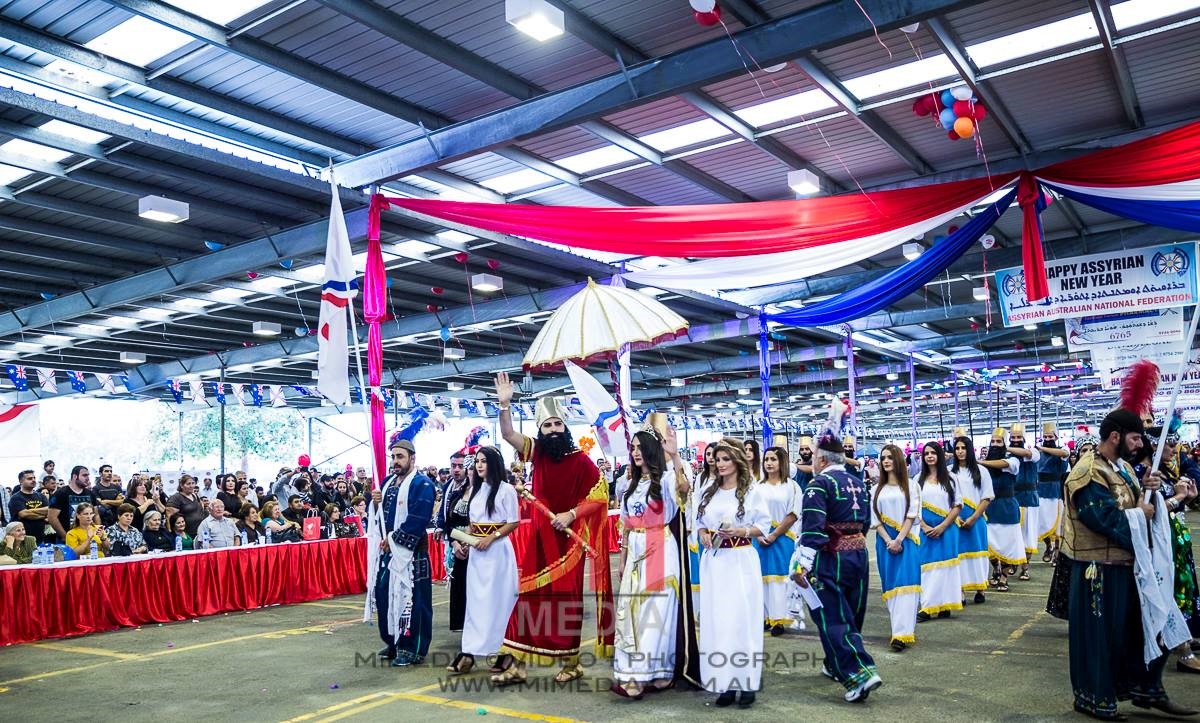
(483, 529)
(847, 542)
(733, 542)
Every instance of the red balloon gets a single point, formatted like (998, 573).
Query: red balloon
(962, 109)
(437, 290)
(974, 326)
(252, 275)
(979, 112)
(712, 17)
(430, 308)
(303, 461)
(493, 264)
(921, 107)
(247, 343)
(461, 257)
(1018, 346)
(935, 102)
(951, 229)
(952, 136)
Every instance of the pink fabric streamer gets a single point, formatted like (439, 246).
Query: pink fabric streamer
(374, 309)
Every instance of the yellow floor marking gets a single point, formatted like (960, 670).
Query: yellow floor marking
(336, 707)
(1015, 635)
(53, 673)
(460, 704)
(62, 647)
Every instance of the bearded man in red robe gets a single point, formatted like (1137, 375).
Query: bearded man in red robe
(547, 622)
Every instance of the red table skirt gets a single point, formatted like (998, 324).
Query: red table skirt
(66, 599)
(520, 538)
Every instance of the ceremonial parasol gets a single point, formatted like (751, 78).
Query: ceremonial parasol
(596, 324)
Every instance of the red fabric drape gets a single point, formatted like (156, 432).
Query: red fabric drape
(374, 309)
(89, 598)
(732, 229)
(1168, 157)
(1028, 194)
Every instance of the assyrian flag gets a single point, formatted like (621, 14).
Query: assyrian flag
(46, 380)
(106, 383)
(78, 383)
(277, 398)
(238, 392)
(196, 390)
(16, 374)
(340, 287)
(176, 390)
(601, 410)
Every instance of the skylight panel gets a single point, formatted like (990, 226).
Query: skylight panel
(901, 77)
(685, 135)
(1034, 40)
(221, 12)
(603, 157)
(35, 150)
(139, 41)
(271, 283)
(792, 106)
(229, 295)
(189, 304)
(1139, 12)
(120, 322)
(11, 174)
(153, 313)
(74, 132)
(517, 181)
(92, 329)
(414, 249)
(453, 235)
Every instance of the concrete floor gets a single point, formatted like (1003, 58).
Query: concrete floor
(1004, 660)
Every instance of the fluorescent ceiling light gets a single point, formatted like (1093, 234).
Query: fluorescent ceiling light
(35, 150)
(266, 328)
(1056, 341)
(312, 274)
(685, 135)
(743, 392)
(221, 12)
(780, 109)
(454, 386)
(161, 208)
(139, 41)
(635, 402)
(229, 295)
(892, 376)
(979, 293)
(517, 181)
(1034, 40)
(11, 174)
(901, 77)
(1031, 327)
(454, 353)
(536, 18)
(132, 357)
(913, 251)
(72, 131)
(1139, 12)
(804, 182)
(677, 382)
(487, 282)
(839, 364)
(154, 313)
(603, 157)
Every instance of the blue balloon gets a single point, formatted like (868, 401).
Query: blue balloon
(947, 118)
(948, 99)
(300, 331)
(445, 333)
(46, 295)
(287, 263)
(214, 245)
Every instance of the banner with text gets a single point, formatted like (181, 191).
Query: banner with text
(1152, 327)
(1111, 363)
(1136, 280)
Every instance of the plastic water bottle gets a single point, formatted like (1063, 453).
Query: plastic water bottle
(94, 552)
(39, 555)
(178, 543)
(245, 539)
(268, 535)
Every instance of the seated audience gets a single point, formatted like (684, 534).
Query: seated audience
(16, 544)
(157, 537)
(281, 528)
(249, 523)
(179, 529)
(125, 538)
(340, 528)
(217, 530)
(85, 529)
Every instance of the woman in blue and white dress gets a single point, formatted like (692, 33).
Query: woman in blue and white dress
(895, 509)
(648, 651)
(975, 483)
(775, 548)
(941, 503)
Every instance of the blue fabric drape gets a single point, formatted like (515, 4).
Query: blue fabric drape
(900, 282)
(1183, 215)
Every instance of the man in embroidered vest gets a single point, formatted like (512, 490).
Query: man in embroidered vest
(400, 514)
(548, 619)
(831, 557)
(1104, 615)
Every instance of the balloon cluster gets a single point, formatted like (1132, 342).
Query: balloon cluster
(706, 12)
(956, 109)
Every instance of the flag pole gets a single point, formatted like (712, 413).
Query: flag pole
(366, 392)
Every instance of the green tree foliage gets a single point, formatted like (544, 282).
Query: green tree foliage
(264, 433)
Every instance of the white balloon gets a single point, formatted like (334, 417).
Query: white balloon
(910, 29)
(987, 240)
(962, 92)
(703, 6)
(775, 68)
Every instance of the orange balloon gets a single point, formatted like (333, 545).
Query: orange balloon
(964, 127)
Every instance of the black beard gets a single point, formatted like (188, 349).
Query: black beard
(1049, 443)
(995, 453)
(806, 457)
(557, 444)
(1017, 444)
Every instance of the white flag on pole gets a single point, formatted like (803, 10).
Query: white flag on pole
(602, 411)
(339, 288)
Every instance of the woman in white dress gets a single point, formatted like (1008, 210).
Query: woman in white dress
(729, 515)
(895, 509)
(753, 458)
(975, 483)
(776, 546)
(941, 503)
(492, 574)
(648, 606)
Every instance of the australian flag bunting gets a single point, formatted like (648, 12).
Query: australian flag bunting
(176, 390)
(77, 381)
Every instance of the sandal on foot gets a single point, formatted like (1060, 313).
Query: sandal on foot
(569, 673)
(624, 692)
(515, 674)
(504, 661)
(462, 664)
(1003, 586)
(1024, 575)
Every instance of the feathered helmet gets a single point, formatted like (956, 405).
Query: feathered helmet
(418, 418)
(1137, 391)
(830, 438)
(474, 440)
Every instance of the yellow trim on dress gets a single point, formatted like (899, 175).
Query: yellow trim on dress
(1007, 560)
(939, 564)
(902, 590)
(934, 510)
(778, 621)
(970, 555)
(974, 586)
(912, 530)
(775, 578)
(942, 608)
(906, 639)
